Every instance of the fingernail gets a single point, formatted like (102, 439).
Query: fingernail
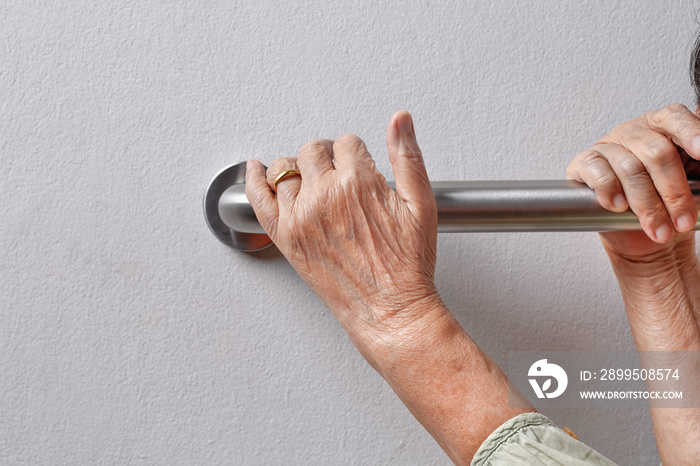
(619, 201)
(696, 143)
(663, 233)
(404, 124)
(685, 222)
(248, 165)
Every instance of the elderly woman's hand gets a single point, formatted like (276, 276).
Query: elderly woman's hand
(643, 164)
(366, 250)
(369, 253)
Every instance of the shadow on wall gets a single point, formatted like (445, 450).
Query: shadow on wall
(509, 297)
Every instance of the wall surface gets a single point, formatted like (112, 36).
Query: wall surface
(129, 335)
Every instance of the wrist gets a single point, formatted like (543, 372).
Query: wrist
(661, 296)
(396, 333)
(673, 261)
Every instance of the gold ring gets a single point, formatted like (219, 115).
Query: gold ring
(280, 177)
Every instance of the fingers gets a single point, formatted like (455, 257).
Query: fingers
(656, 139)
(288, 187)
(350, 154)
(316, 158)
(641, 192)
(639, 164)
(592, 168)
(261, 197)
(678, 123)
(412, 183)
(663, 164)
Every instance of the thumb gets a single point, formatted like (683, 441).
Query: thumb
(412, 183)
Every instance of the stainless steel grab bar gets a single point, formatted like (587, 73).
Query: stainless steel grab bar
(463, 206)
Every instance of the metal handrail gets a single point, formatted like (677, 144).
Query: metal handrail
(463, 206)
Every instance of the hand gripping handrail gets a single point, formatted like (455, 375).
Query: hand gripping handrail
(463, 206)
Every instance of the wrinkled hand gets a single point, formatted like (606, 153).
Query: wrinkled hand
(644, 164)
(366, 250)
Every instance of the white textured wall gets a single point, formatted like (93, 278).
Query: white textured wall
(129, 335)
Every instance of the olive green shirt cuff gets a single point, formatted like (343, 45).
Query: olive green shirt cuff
(532, 439)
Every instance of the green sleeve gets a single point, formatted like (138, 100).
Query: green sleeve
(532, 439)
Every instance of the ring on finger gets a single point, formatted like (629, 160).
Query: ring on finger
(284, 174)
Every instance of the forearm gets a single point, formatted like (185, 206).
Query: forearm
(662, 299)
(447, 382)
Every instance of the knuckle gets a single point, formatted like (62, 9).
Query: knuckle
(687, 128)
(314, 146)
(677, 200)
(659, 151)
(676, 108)
(276, 167)
(656, 118)
(653, 210)
(350, 142)
(685, 123)
(634, 170)
(606, 182)
(370, 165)
(276, 164)
(590, 157)
(600, 174)
(669, 112)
